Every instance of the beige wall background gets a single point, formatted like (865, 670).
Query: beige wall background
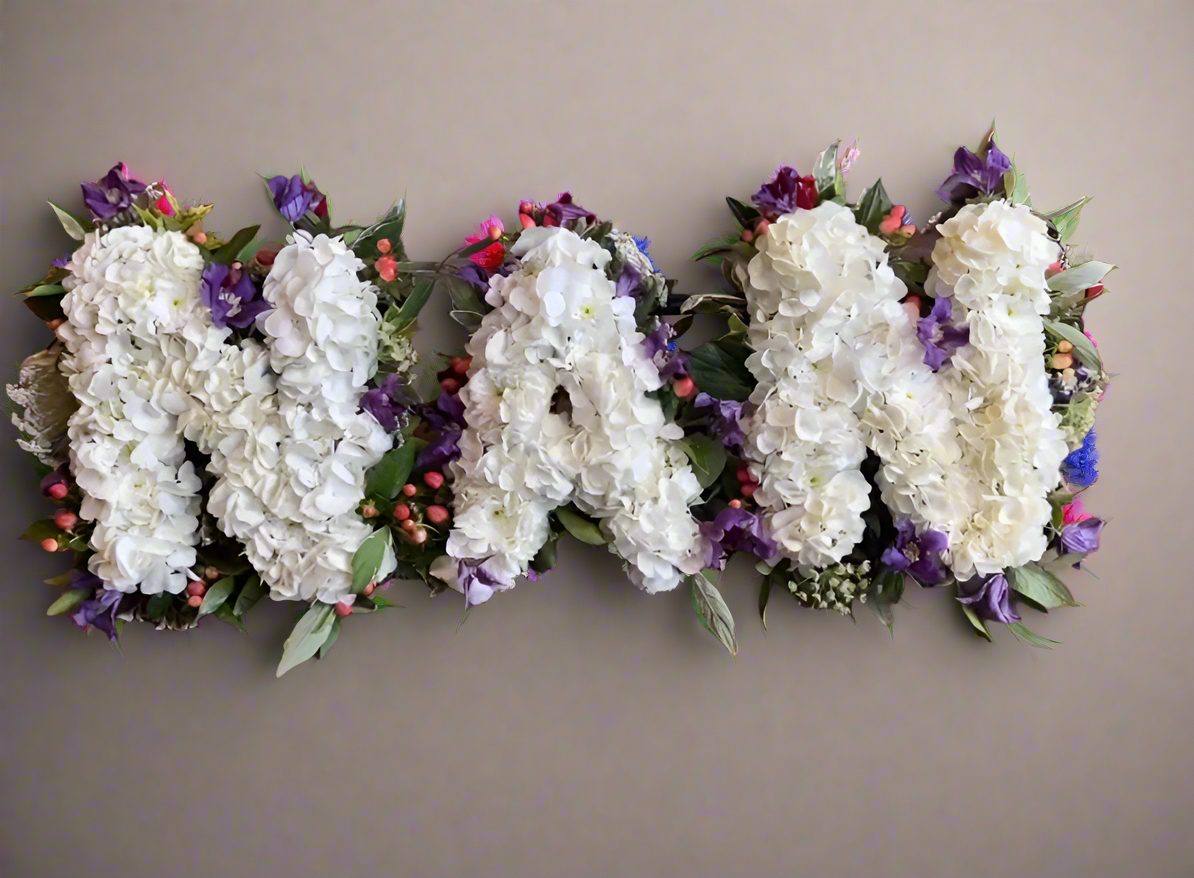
(576, 727)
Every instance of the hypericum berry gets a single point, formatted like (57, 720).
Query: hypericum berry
(383, 246)
(54, 324)
(684, 387)
(408, 525)
(409, 490)
(460, 365)
(437, 514)
(748, 235)
(50, 544)
(196, 589)
(433, 480)
(748, 490)
(743, 474)
(65, 520)
(401, 512)
(736, 503)
(527, 222)
(343, 609)
(761, 227)
(211, 574)
(1054, 268)
(57, 491)
(368, 589)
(195, 601)
(419, 537)
(495, 232)
(450, 385)
(369, 511)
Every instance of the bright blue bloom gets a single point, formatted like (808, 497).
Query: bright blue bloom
(1082, 466)
(644, 243)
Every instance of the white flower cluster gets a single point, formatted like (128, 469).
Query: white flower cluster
(823, 303)
(559, 332)
(134, 317)
(283, 425)
(992, 259)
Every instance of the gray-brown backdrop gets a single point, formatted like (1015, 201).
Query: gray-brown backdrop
(576, 726)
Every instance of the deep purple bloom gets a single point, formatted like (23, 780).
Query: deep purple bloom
(232, 296)
(940, 337)
(656, 342)
(1081, 466)
(564, 209)
(724, 419)
(786, 193)
(385, 402)
(476, 582)
(973, 176)
(918, 556)
(113, 193)
(476, 276)
(1082, 537)
(99, 611)
(64, 260)
(989, 598)
(293, 198)
(441, 450)
(736, 530)
(630, 282)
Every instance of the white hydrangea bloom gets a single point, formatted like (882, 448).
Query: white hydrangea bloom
(133, 312)
(558, 329)
(992, 259)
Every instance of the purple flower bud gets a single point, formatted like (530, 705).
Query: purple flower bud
(1082, 537)
(989, 598)
(293, 198)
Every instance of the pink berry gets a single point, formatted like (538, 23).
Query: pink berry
(527, 222)
(743, 474)
(434, 480)
(387, 268)
(383, 246)
(460, 365)
(526, 207)
(409, 525)
(196, 588)
(437, 514)
(495, 232)
(684, 387)
(736, 503)
(57, 491)
(195, 601)
(50, 544)
(343, 609)
(450, 385)
(748, 490)
(761, 227)
(66, 520)
(368, 589)
(419, 537)
(369, 511)
(211, 574)
(1054, 268)
(1094, 291)
(402, 512)
(748, 235)
(55, 323)
(409, 490)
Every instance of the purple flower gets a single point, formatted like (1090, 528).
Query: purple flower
(989, 598)
(724, 419)
(477, 584)
(657, 341)
(99, 611)
(441, 450)
(293, 198)
(918, 556)
(630, 282)
(664, 352)
(476, 276)
(564, 209)
(736, 530)
(786, 193)
(1082, 537)
(973, 176)
(113, 193)
(64, 260)
(232, 296)
(939, 337)
(385, 402)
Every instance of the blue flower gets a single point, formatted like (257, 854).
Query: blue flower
(644, 243)
(1082, 466)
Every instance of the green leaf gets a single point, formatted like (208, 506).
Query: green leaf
(367, 559)
(68, 600)
(73, 225)
(707, 455)
(390, 226)
(386, 478)
(719, 369)
(310, 633)
(249, 251)
(470, 320)
(716, 246)
(158, 605)
(737, 327)
(382, 603)
(215, 596)
(333, 636)
(764, 598)
(252, 591)
(225, 556)
(714, 303)
(746, 215)
(424, 380)
(826, 174)
(416, 300)
(584, 529)
(1080, 277)
(979, 625)
(226, 615)
(46, 290)
(711, 609)
(62, 580)
(545, 558)
(475, 248)
(227, 254)
(41, 530)
(1015, 184)
(45, 308)
(872, 207)
(1083, 346)
(1066, 219)
(1041, 587)
(1021, 632)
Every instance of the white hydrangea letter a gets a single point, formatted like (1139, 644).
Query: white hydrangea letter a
(558, 331)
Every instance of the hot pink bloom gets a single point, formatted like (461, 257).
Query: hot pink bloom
(1073, 512)
(492, 256)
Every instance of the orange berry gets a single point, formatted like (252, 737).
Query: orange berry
(419, 537)
(736, 503)
(195, 601)
(383, 246)
(50, 544)
(684, 387)
(409, 490)
(368, 589)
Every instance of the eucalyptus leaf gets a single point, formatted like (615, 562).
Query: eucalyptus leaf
(416, 300)
(1066, 219)
(1083, 346)
(1022, 633)
(368, 558)
(73, 225)
(711, 609)
(1041, 587)
(707, 455)
(716, 246)
(68, 600)
(310, 632)
(41, 530)
(333, 636)
(872, 207)
(719, 369)
(251, 592)
(714, 303)
(584, 529)
(215, 596)
(226, 615)
(1080, 277)
(470, 320)
(62, 580)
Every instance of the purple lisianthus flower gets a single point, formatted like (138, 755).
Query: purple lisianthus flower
(385, 402)
(664, 352)
(64, 260)
(736, 530)
(1082, 537)
(1081, 466)
(787, 192)
(476, 276)
(656, 342)
(989, 598)
(918, 556)
(441, 450)
(232, 296)
(630, 282)
(113, 193)
(973, 176)
(100, 610)
(564, 209)
(940, 337)
(293, 198)
(477, 583)
(724, 419)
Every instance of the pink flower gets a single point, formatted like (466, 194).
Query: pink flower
(165, 208)
(492, 256)
(1073, 512)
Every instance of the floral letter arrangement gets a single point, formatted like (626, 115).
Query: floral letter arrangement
(218, 420)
